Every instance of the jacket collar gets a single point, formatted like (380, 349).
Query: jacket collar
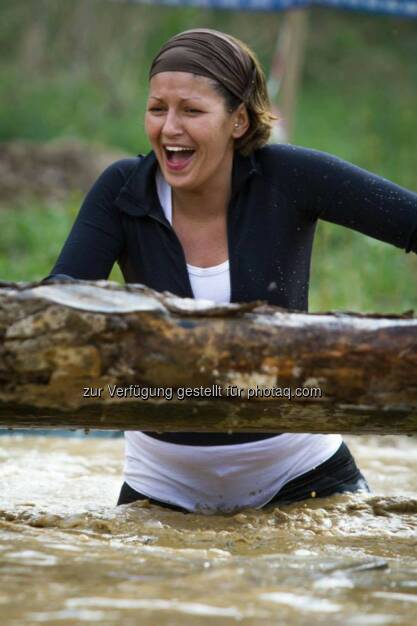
(139, 197)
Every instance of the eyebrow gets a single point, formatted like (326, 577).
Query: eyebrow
(182, 99)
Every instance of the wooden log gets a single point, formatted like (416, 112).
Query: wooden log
(206, 367)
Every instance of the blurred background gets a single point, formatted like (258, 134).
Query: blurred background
(74, 87)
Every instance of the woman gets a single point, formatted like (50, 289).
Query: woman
(214, 212)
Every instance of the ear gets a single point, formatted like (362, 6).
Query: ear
(240, 121)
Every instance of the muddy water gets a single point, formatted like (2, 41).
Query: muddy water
(69, 556)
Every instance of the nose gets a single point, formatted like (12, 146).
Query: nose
(172, 126)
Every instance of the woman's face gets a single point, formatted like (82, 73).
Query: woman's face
(190, 130)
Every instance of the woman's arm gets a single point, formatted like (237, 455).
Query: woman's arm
(342, 193)
(96, 240)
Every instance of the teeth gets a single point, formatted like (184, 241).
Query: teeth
(177, 149)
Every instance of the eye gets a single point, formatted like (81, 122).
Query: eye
(193, 111)
(155, 109)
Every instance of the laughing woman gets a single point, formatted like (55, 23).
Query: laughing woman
(213, 212)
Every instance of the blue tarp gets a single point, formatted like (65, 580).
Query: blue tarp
(405, 8)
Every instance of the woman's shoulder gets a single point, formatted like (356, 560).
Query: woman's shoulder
(291, 165)
(291, 155)
(121, 170)
(109, 183)
(113, 178)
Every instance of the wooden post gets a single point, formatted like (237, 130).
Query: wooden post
(286, 71)
(170, 364)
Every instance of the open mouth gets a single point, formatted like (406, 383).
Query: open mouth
(178, 157)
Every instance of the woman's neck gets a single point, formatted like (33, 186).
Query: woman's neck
(206, 203)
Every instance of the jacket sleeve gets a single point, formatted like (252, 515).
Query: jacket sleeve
(96, 240)
(342, 193)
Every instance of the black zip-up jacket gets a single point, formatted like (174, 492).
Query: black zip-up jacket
(278, 193)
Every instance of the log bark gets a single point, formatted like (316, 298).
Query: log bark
(238, 363)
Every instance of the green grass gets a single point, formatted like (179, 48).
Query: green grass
(32, 236)
(61, 107)
(356, 127)
(357, 273)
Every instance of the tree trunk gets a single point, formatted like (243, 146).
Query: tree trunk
(88, 354)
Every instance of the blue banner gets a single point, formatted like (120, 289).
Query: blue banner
(405, 8)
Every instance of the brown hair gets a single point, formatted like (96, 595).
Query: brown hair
(234, 71)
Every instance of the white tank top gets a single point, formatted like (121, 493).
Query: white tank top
(213, 479)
